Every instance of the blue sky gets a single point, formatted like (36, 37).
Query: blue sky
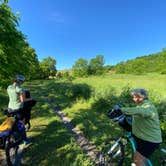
(71, 29)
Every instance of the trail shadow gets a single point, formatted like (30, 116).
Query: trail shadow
(53, 147)
(3, 104)
(62, 93)
(4, 100)
(47, 142)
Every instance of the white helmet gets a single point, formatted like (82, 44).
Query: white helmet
(20, 78)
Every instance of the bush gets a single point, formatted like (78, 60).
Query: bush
(78, 91)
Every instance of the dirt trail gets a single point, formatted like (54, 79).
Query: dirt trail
(89, 149)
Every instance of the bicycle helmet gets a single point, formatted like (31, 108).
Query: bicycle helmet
(20, 78)
(139, 92)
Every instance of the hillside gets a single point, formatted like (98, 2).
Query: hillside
(145, 64)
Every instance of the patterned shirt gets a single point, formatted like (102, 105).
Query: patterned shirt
(14, 92)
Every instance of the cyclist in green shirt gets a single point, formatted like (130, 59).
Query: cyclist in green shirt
(16, 93)
(145, 126)
(17, 99)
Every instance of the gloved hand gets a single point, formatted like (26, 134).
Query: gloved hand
(116, 107)
(114, 112)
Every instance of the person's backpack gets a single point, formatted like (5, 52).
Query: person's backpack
(30, 103)
(27, 94)
(7, 124)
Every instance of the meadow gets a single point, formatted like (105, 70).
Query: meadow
(85, 101)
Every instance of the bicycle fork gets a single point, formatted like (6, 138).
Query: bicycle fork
(110, 152)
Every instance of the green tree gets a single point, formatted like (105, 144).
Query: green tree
(32, 70)
(48, 67)
(4, 1)
(80, 68)
(119, 68)
(16, 56)
(96, 65)
(10, 42)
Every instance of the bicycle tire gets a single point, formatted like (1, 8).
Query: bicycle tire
(112, 156)
(11, 150)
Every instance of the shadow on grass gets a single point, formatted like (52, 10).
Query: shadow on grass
(64, 94)
(94, 121)
(46, 144)
(53, 147)
(3, 104)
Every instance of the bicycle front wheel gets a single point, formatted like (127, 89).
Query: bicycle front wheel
(11, 150)
(112, 153)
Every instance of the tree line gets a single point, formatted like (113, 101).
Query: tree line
(145, 64)
(153, 63)
(84, 68)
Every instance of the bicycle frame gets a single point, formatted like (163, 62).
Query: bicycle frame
(120, 118)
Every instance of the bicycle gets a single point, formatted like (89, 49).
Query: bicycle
(10, 141)
(113, 152)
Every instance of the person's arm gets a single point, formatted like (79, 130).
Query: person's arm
(145, 110)
(23, 98)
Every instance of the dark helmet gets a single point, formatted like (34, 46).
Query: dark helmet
(140, 93)
(20, 78)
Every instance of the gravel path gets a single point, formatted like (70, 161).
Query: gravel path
(89, 149)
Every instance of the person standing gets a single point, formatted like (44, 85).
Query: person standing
(17, 98)
(145, 125)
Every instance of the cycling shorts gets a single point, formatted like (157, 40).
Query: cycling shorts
(145, 148)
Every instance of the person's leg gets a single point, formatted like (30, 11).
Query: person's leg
(139, 159)
(144, 150)
(27, 114)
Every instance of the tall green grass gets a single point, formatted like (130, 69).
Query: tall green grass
(154, 83)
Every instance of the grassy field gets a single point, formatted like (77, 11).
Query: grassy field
(85, 101)
(154, 83)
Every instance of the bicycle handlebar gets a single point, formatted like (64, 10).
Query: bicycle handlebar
(116, 114)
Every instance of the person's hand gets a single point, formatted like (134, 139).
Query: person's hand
(115, 112)
(116, 107)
